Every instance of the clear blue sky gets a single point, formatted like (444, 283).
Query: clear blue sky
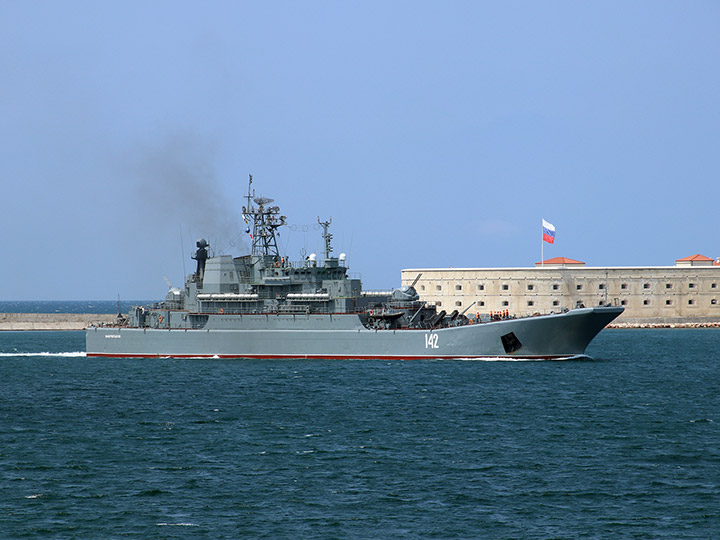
(434, 133)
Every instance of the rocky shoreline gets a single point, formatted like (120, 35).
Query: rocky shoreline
(665, 325)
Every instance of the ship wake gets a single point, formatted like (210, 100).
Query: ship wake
(76, 354)
(508, 359)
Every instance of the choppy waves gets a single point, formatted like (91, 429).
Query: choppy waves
(626, 446)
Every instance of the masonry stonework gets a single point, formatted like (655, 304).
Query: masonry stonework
(672, 294)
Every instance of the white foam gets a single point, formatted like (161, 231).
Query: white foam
(510, 359)
(76, 354)
(495, 359)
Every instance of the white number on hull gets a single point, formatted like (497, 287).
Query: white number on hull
(431, 341)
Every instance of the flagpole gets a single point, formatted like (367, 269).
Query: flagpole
(542, 247)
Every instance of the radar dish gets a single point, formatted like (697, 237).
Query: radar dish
(262, 201)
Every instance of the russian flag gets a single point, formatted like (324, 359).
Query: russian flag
(548, 232)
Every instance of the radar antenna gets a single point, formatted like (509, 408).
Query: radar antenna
(266, 220)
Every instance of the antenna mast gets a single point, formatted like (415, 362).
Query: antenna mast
(249, 196)
(327, 237)
(265, 220)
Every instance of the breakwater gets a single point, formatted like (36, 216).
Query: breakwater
(715, 324)
(52, 321)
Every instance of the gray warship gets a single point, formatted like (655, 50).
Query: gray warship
(263, 305)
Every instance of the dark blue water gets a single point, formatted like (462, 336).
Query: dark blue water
(623, 446)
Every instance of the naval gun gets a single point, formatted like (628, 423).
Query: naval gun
(175, 298)
(406, 293)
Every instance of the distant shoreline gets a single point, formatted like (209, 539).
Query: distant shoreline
(52, 321)
(77, 307)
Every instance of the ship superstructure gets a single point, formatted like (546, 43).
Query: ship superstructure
(262, 305)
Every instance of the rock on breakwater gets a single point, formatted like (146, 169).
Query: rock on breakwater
(53, 321)
(665, 325)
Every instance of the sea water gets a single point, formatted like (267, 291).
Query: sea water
(626, 445)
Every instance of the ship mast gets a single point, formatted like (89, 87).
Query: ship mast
(326, 236)
(266, 220)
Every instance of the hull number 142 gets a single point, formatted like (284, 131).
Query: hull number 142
(431, 341)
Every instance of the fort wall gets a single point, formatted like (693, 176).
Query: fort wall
(655, 295)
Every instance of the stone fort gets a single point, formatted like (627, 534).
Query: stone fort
(687, 292)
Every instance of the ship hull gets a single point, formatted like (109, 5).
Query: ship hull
(342, 336)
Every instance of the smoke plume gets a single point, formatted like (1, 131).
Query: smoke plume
(175, 182)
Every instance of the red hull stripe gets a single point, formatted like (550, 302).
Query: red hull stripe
(321, 356)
